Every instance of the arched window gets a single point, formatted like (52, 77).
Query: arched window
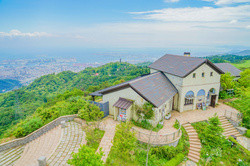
(201, 93)
(189, 98)
(212, 90)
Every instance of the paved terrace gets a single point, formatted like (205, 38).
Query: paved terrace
(42, 146)
(8, 157)
(188, 117)
(56, 145)
(72, 137)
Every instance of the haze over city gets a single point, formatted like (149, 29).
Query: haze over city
(81, 29)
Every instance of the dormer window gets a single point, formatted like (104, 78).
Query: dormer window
(194, 75)
(211, 74)
(203, 74)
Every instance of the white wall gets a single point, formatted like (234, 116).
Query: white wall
(198, 83)
(188, 83)
(127, 93)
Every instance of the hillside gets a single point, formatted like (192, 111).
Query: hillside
(8, 84)
(18, 104)
(231, 58)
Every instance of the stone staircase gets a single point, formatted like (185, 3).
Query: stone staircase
(8, 157)
(195, 145)
(229, 129)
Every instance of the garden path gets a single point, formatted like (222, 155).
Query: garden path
(108, 125)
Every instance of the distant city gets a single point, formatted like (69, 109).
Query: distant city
(27, 70)
(21, 72)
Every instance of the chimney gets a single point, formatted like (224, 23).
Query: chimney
(187, 54)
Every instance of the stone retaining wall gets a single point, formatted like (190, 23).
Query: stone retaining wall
(32, 136)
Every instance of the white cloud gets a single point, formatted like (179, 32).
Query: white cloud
(233, 21)
(193, 14)
(171, 1)
(248, 26)
(227, 2)
(17, 33)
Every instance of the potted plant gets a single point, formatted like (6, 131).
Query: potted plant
(168, 116)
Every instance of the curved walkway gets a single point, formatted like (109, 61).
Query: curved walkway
(42, 146)
(72, 137)
(8, 157)
(108, 125)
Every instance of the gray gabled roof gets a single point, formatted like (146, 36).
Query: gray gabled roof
(155, 88)
(180, 66)
(227, 67)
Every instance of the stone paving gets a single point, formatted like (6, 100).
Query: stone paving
(8, 157)
(186, 117)
(72, 137)
(108, 125)
(42, 146)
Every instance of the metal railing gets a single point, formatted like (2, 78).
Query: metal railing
(158, 139)
(235, 116)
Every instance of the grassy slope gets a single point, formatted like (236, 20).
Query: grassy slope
(242, 66)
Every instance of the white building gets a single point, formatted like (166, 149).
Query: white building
(175, 83)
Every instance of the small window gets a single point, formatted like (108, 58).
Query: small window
(194, 75)
(203, 74)
(211, 74)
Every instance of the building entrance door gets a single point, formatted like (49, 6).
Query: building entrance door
(213, 100)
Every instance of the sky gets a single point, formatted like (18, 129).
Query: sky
(143, 27)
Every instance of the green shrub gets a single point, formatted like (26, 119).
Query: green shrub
(124, 146)
(242, 147)
(223, 95)
(144, 112)
(93, 137)
(49, 114)
(226, 81)
(90, 112)
(86, 156)
(176, 160)
(144, 124)
(176, 124)
(167, 152)
(215, 147)
(158, 127)
(248, 133)
(28, 126)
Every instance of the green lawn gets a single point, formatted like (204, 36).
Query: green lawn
(242, 66)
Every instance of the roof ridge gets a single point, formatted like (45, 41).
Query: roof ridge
(139, 78)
